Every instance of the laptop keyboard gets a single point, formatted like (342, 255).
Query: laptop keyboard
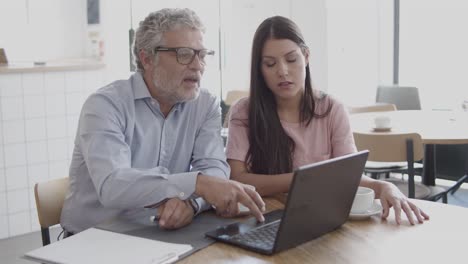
(262, 237)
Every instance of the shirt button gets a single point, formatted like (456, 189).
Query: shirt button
(153, 102)
(181, 195)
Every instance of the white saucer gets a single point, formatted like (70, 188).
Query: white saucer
(376, 208)
(382, 129)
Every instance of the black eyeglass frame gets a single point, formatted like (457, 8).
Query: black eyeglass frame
(195, 53)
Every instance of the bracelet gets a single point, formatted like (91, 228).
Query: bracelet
(194, 206)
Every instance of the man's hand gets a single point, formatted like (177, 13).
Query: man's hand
(175, 213)
(225, 194)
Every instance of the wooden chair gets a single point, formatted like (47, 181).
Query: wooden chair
(372, 108)
(377, 168)
(226, 119)
(49, 202)
(404, 147)
(233, 95)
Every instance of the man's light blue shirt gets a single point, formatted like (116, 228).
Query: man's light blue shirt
(127, 155)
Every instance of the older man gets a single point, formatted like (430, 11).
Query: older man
(153, 141)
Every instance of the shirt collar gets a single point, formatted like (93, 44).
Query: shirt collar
(139, 87)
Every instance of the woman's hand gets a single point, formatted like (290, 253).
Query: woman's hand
(391, 196)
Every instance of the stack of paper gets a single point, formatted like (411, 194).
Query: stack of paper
(99, 246)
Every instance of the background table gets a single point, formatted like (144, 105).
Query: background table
(435, 127)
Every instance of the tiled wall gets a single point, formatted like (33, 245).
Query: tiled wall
(38, 119)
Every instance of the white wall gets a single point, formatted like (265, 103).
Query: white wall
(38, 120)
(38, 111)
(240, 19)
(311, 17)
(58, 29)
(353, 54)
(114, 27)
(433, 51)
(32, 30)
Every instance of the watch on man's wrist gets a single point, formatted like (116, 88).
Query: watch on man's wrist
(195, 206)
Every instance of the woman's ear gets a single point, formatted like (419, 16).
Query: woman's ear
(306, 55)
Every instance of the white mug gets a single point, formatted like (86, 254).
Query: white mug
(363, 200)
(382, 122)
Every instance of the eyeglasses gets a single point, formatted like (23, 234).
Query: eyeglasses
(186, 55)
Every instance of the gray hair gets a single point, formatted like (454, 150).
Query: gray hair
(149, 34)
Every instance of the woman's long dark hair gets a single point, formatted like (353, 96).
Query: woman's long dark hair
(271, 148)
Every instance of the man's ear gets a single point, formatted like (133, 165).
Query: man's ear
(146, 59)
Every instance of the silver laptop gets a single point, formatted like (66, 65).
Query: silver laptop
(319, 201)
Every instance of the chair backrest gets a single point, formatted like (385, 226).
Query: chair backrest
(234, 95)
(389, 147)
(384, 107)
(3, 57)
(226, 119)
(50, 196)
(405, 98)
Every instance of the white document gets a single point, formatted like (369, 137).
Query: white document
(100, 246)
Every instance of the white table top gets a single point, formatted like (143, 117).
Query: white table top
(435, 127)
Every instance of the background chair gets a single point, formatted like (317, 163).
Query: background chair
(231, 97)
(404, 147)
(381, 107)
(49, 202)
(377, 168)
(405, 98)
(3, 57)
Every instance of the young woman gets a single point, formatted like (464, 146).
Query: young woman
(285, 123)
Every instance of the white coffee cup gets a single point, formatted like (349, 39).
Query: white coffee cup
(465, 105)
(382, 122)
(363, 200)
